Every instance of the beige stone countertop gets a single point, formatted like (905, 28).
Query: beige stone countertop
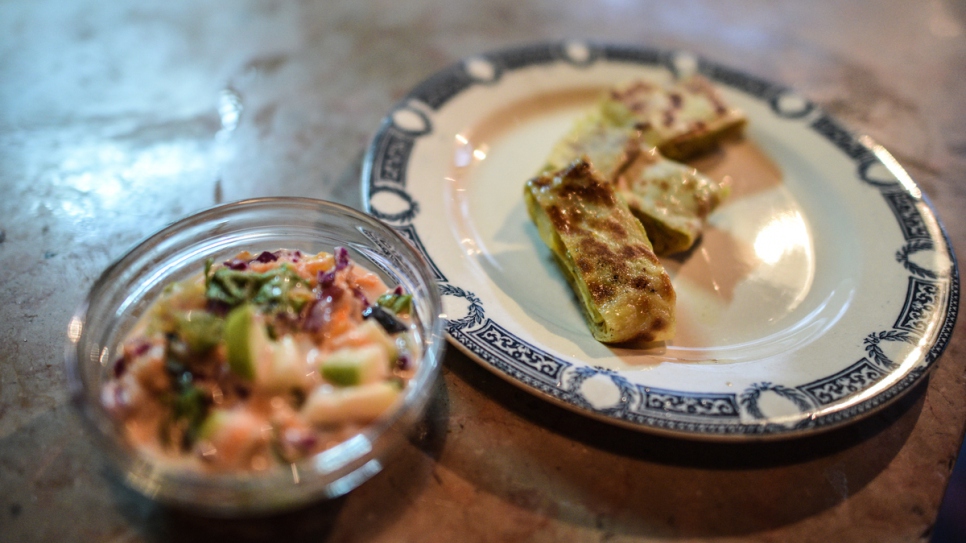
(110, 128)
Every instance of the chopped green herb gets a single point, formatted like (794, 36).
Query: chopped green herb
(273, 291)
(397, 303)
(188, 406)
(189, 410)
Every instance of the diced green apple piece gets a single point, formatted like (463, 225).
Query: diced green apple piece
(353, 366)
(246, 341)
(361, 404)
(252, 355)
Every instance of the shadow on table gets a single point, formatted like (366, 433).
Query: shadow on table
(358, 516)
(950, 524)
(628, 482)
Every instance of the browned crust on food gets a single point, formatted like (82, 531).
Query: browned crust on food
(695, 143)
(579, 184)
(609, 225)
(607, 251)
(591, 190)
(697, 135)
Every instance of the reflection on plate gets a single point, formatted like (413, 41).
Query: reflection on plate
(821, 289)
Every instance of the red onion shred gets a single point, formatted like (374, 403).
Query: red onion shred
(142, 348)
(326, 279)
(266, 257)
(236, 264)
(361, 296)
(120, 366)
(318, 315)
(341, 258)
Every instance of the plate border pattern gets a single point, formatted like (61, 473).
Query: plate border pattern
(690, 414)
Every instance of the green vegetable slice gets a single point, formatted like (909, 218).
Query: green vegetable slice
(342, 373)
(275, 290)
(397, 303)
(244, 337)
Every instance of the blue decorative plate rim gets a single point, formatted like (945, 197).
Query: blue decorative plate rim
(683, 414)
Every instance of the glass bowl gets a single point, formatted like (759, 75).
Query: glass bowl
(130, 285)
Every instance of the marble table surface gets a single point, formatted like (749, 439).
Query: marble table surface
(117, 118)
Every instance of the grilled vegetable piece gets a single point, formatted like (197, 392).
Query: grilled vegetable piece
(682, 118)
(670, 199)
(608, 146)
(605, 254)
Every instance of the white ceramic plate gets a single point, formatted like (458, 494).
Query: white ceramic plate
(820, 291)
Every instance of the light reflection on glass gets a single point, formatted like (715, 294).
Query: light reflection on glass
(337, 457)
(74, 329)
